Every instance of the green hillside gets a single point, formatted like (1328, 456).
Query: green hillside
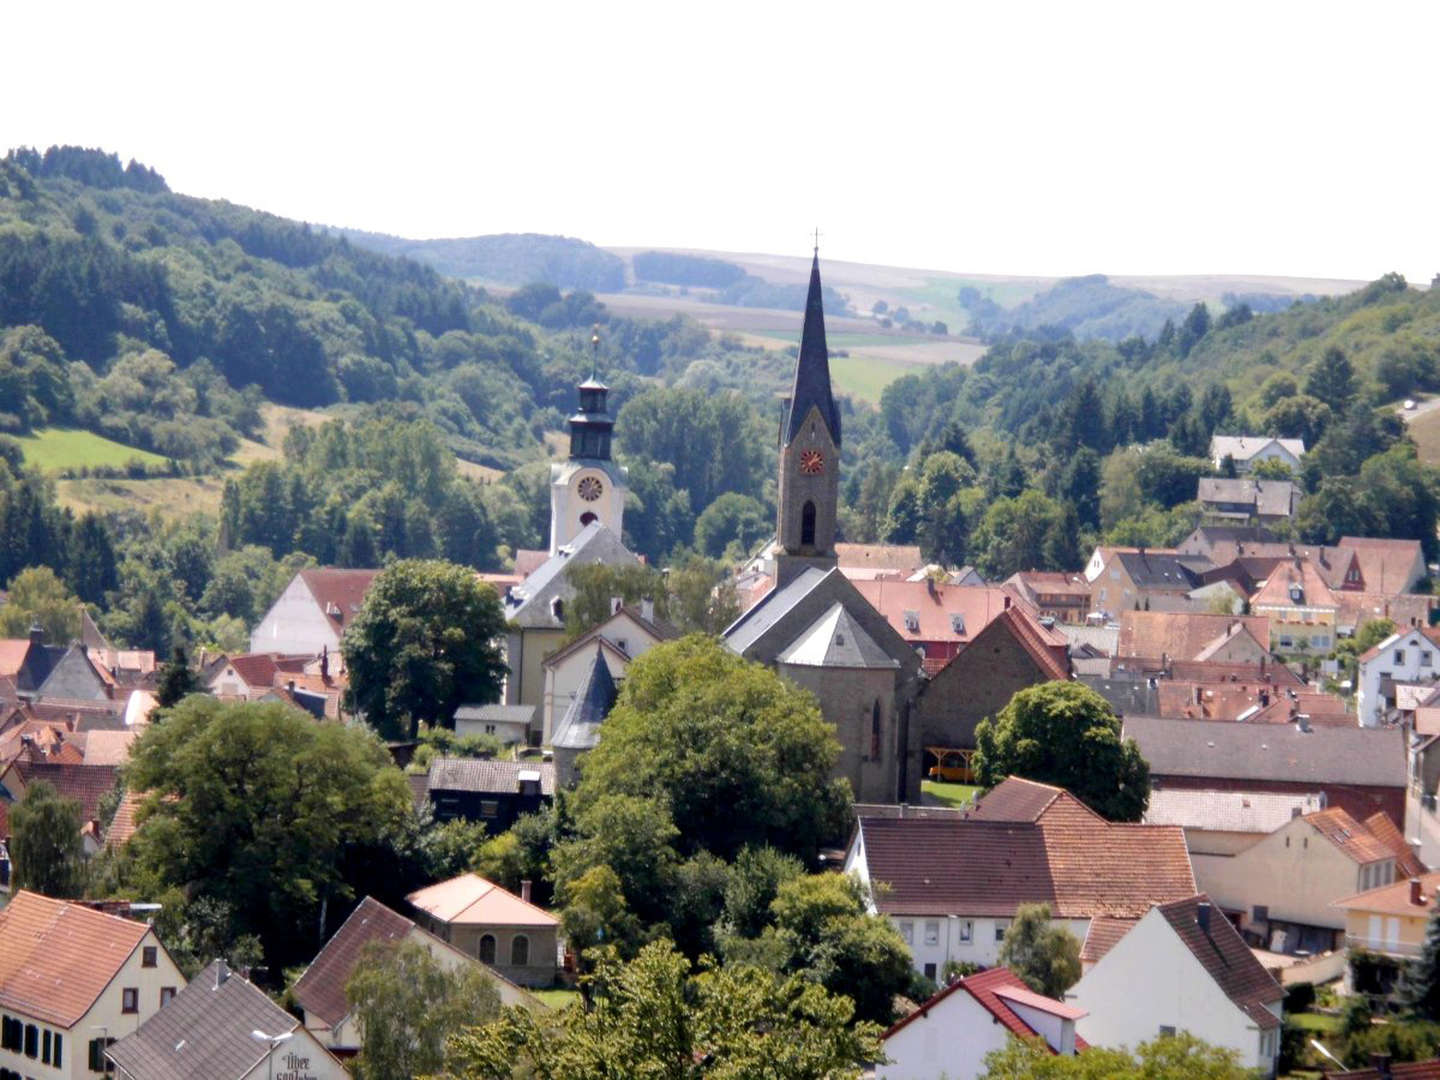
(67, 450)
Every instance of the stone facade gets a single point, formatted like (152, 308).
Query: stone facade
(860, 703)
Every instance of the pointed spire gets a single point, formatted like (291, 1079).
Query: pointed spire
(812, 368)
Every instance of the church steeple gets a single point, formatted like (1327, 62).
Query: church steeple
(589, 487)
(591, 427)
(809, 487)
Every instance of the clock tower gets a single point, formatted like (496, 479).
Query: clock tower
(588, 487)
(809, 453)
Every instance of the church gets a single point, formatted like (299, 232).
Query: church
(814, 627)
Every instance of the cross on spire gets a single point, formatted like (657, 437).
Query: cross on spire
(817, 240)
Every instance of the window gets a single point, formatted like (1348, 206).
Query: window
(1000, 928)
(45, 1047)
(930, 972)
(129, 1000)
(32, 1041)
(1399, 656)
(489, 808)
(57, 1050)
(12, 1033)
(487, 948)
(967, 929)
(147, 956)
(912, 622)
(807, 524)
(1167, 1031)
(875, 732)
(98, 1061)
(932, 933)
(489, 729)
(907, 931)
(1425, 659)
(520, 951)
(166, 993)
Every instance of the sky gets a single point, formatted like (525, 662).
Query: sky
(1293, 139)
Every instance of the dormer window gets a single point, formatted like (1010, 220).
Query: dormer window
(957, 624)
(912, 621)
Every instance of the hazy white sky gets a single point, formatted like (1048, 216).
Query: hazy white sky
(983, 137)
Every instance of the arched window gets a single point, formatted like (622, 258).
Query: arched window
(520, 951)
(807, 524)
(487, 948)
(875, 731)
(586, 518)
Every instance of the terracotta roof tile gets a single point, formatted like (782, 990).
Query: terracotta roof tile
(1387, 565)
(1102, 935)
(1223, 953)
(1353, 839)
(991, 989)
(1407, 864)
(122, 825)
(320, 991)
(59, 956)
(12, 655)
(1394, 899)
(1291, 586)
(936, 608)
(1396, 1070)
(1181, 635)
(470, 900)
(86, 784)
(338, 590)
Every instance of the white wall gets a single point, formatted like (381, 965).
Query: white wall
(296, 623)
(950, 938)
(949, 1042)
(1149, 979)
(1414, 647)
(299, 1057)
(567, 507)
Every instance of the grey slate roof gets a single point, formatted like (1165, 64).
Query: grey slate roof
(812, 367)
(748, 628)
(1271, 498)
(496, 714)
(204, 1032)
(1128, 697)
(579, 728)
(1324, 755)
(836, 640)
(1158, 571)
(529, 603)
(480, 775)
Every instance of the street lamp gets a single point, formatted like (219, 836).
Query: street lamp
(273, 1041)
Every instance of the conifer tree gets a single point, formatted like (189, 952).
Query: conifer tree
(1420, 983)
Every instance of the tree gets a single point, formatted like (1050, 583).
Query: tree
(407, 1006)
(1171, 1057)
(1195, 327)
(1044, 954)
(597, 585)
(1298, 417)
(654, 1018)
(1012, 535)
(1065, 734)
(260, 808)
(1420, 981)
(423, 643)
(732, 519)
(1332, 380)
(177, 680)
(737, 756)
(39, 598)
(45, 843)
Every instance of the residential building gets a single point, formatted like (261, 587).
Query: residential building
(508, 723)
(1302, 609)
(1246, 451)
(250, 676)
(1280, 890)
(1360, 769)
(948, 1037)
(1146, 580)
(1194, 635)
(1410, 656)
(209, 1030)
(320, 990)
(894, 561)
(1266, 501)
(311, 615)
(493, 793)
(73, 980)
(505, 931)
(1062, 597)
(952, 885)
(939, 620)
(1182, 967)
(1204, 539)
(1389, 567)
(1392, 919)
(1227, 822)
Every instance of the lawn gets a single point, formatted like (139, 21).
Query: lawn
(866, 377)
(1316, 1023)
(557, 999)
(939, 793)
(60, 449)
(1425, 430)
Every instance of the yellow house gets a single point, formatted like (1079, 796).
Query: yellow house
(1301, 607)
(1391, 919)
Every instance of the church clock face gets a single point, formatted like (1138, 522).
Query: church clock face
(812, 462)
(590, 488)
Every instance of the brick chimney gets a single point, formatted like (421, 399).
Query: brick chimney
(1416, 897)
(525, 890)
(1202, 915)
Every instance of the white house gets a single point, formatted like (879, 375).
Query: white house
(1182, 967)
(311, 615)
(628, 633)
(73, 980)
(1411, 656)
(948, 1037)
(1248, 450)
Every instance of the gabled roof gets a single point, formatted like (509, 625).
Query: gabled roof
(1244, 447)
(1350, 838)
(529, 604)
(901, 558)
(812, 367)
(1223, 954)
(605, 632)
(1181, 635)
(1388, 565)
(1394, 899)
(579, 728)
(339, 593)
(205, 1031)
(995, 990)
(86, 784)
(1157, 570)
(496, 714)
(12, 655)
(1270, 752)
(1102, 935)
(1045, 646)
(1018, 799)
(320, 991)
(1407, 863)
(1269, 498)
(1230, 811)
(1233, 632)
(470, 900)
(775, 605)
(1291, 586)
(835, 640)
(486, 776)
(59, 957)
(926, 611)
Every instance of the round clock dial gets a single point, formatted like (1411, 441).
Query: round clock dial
(590, 488)
(811, 462)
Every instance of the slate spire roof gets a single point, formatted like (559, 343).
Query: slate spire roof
(579, 728)
(812, 368)
(837, 640)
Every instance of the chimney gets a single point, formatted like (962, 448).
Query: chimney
(616, 603)
(37, 633)
(1381, 1064)
(525, 890)
(1202, 915)
(222, 973)
(325, 662)
(647, 609)
(1416, 897)
(1007, 603)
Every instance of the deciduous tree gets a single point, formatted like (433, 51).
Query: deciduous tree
(45, 844)
(1043, 953)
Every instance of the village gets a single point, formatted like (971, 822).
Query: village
(1283, 837)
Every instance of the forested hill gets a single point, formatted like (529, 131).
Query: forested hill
(510, 258)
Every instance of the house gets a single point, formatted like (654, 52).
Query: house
(858, 561)
(1389, 567)
(940, 620)
(320, 990)
(1360, 769)
(209, 1030)
(508, 723)
(628, 633)
(1146, 580)
(1280, 890)
(73, 980)
(73, 779)
(1227, 822)
(1182, 967)
(1056, 595)
(492, 792)
(1204, 539)
(948, 1037)
(579, 728)
(1267, 501)
(1408, 657)
(1248, 450)
(250, 676)
(952, 885)
(1405, 610)
(1392, 919)
(1013, 652)
(1194, 635)
(1301, 608)
(311, 615)
(505, 931)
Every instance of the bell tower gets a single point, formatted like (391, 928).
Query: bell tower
(589, 487)
(809, 452)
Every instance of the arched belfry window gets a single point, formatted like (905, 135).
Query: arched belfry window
(875, 732)
(487, 949)
(807, 524)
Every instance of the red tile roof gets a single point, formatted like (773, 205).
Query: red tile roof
(990, 989)
(342, 590)
(320, 991)
(935, 607)
(59, 956)
(1394, 899)
(1048, 648)
(1102, 935)
(1018, 799)
(1387, 565)
(1181, 635)
(528, 561)
(902, 558)
(1222, 952)
(1277, 592)
(1352, 839)
(86, 784)
(12, 655)
(1407, 864)
(1398, 1070)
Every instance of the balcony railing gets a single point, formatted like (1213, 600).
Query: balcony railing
(1381, 945)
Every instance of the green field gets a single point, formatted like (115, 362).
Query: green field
(866, 377)
(942, 794)
(62, 449)
(557, 999)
